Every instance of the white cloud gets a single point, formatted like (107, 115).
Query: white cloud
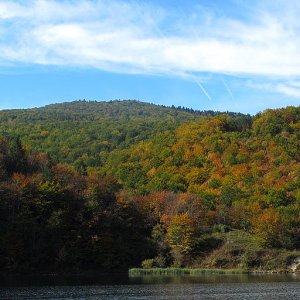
(288, 90)
(284, 87)
(135, 37)
(9, 10)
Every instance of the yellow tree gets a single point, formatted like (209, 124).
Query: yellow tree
(268, 227)
(180, 235)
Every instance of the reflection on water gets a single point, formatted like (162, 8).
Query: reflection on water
(215, 278)
(271, 287)
(64, 280)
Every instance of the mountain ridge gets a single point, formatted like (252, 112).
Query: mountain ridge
(135, 107)
(67, 131)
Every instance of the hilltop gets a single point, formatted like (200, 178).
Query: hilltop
(83, 132)
(96, 110)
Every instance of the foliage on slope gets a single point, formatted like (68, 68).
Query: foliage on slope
(178, 197)
(82, 133)
(222, 157)
(226, 173)
(54, 219)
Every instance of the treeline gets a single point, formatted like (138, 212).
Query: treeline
(203, 193)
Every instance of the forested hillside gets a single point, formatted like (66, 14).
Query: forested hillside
(82, 133)
(54, 219)
(179, 188)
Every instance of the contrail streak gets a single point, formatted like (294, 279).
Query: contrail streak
(159, 30)
(155, 25)
(196, 36)
(228, 89)
(202, 89)
(184, 17)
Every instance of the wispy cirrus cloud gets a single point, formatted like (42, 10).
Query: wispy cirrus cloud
(288, 88)
(138, 37)
(283, 86)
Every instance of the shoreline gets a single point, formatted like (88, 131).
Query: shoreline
(136, 272)
(133, 272)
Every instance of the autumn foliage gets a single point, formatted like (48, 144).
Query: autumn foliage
(160, 199)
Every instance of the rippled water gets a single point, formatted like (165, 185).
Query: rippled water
(271, 287)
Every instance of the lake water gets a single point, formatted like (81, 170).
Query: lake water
(258, 287)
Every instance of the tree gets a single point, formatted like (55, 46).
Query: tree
(180, 235)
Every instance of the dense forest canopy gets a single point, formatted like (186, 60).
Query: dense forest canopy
(82, 133)
(107, 186)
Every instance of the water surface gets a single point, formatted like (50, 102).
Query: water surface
(271, 287)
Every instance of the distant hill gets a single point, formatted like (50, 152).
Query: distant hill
(83, 132)
(115, 109)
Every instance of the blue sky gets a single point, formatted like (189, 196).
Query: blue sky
(223, 55)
